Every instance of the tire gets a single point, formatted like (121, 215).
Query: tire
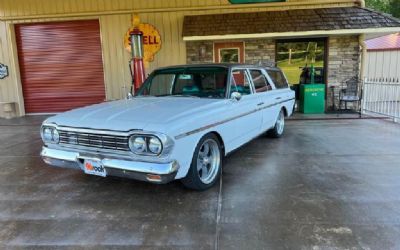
(279, 128)
(206, 165)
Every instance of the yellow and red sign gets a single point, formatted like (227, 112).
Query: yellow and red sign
(151, 39)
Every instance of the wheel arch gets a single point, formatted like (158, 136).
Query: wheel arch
(285, 112)
(221, 140)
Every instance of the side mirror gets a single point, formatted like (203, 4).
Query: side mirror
(236, 96)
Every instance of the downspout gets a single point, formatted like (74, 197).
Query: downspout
(361, 3)
(363, 46)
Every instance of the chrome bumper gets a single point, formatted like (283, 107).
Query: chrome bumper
(143, 171)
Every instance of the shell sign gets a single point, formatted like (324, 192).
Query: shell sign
(151, 39)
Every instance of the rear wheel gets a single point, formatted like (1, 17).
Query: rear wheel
(279, 127)
(206, 164)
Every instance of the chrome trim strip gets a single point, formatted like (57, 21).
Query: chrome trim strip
(228, 120)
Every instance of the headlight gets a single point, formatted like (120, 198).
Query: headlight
(155, 145)
(137, 144)
(145, 145)
(47, 134)
(50, 135)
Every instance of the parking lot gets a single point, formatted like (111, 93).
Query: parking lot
(330, 184)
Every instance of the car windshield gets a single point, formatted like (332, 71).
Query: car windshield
(201, 82)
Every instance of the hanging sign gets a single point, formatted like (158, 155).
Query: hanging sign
(151, 41)
(3, 71)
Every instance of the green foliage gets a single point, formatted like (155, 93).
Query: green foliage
(394, 8)
(388, 6)
(380, 5)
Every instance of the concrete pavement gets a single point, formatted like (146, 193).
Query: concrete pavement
(324, 185)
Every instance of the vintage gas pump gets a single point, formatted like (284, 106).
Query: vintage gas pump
(136, 63)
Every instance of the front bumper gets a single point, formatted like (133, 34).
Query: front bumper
(143, 171)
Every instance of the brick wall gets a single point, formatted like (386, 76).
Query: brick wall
(255, 50)
(259, 50)
(343, 62)
(193, 52)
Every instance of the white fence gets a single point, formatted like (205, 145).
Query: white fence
(382, 96)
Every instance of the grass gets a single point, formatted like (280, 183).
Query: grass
(293, 71)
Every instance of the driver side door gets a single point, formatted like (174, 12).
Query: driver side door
(247, 121)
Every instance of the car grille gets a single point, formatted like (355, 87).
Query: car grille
(94, 140)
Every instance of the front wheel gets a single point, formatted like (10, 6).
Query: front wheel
(206, 164)
(279, 128)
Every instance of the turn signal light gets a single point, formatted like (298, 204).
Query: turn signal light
(153, 178)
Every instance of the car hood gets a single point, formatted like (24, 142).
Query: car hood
(136, 113)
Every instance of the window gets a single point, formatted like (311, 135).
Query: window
(260, 82)
(204, 82)
(229, 55)
(296, 57)
(240, 82)
(278, 78)
(229, 52)
(161, 84)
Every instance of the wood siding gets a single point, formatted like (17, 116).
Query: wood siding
(115, 19)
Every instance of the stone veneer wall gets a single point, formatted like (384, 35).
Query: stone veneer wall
(343, 63)
(343, 58)
(255, 50)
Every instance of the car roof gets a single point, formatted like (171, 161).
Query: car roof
(224, 65)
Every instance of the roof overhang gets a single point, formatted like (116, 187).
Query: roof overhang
(288, 23)
(312, 33)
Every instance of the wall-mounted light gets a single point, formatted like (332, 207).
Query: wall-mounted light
(202, 51)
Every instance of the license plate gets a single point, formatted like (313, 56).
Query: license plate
(94, 167)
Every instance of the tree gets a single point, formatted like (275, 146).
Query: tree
(388, 6)
(379, 5)
(394, 8)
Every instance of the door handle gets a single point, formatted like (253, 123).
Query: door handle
(278, 98)
(260, 104)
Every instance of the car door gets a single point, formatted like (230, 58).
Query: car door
(246, 118)
(264, 91)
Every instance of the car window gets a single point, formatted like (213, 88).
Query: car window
(260, 81)
(161, 84)
(240, 82)
(197, 82)
(278, 78)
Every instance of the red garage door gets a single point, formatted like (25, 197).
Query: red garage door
(61, 65)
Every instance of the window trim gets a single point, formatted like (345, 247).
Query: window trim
(267, 78)
(283, 74)
(248, 77)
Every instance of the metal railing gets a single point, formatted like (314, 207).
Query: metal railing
(382, 96)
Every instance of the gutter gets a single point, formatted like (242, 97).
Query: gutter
(363, 45)
(293, 34)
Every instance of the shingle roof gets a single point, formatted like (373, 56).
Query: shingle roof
(286, 21)
(389, 42)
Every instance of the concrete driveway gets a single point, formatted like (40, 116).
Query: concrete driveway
(325, 185)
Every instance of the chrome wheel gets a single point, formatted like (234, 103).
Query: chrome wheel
(280, 123)
(208, 161)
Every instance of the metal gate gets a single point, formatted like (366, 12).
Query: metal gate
(382, 96)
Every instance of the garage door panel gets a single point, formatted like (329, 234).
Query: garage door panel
(61, 65)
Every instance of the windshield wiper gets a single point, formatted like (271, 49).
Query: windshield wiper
(185, 96)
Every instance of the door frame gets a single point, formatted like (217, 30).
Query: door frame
(229, 45)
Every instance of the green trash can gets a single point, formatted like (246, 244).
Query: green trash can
(312, 98)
